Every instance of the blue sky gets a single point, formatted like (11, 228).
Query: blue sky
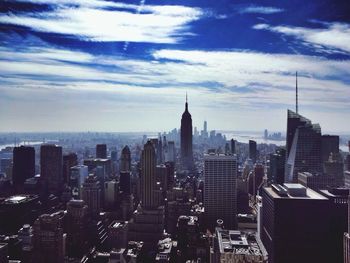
(77, 65)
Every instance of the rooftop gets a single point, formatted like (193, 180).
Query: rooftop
(293, 191)
(17, 199)
(237, 242)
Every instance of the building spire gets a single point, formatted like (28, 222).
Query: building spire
(296, 92)
(186, 102)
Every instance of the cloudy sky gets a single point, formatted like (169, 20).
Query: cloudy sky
(98, 65)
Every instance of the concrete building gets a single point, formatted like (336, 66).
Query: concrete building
(77, 176)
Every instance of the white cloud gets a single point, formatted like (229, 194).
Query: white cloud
(87, 21)
(253, 9)
(336, 36)
(237, 83)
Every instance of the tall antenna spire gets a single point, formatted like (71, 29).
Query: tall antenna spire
(186, 96)
(296, 92)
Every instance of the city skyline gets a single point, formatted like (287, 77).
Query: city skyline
(74, 65)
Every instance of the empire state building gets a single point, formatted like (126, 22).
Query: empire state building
(186, 139)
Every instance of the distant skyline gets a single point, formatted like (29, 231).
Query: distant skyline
(122, 66)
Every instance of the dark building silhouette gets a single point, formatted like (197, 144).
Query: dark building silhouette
(125, 182)
(305, 152)
(125, 159)
(69, 160)
(49, 238)
(23, 165)
(295, 224)
(277, 166)
(338, 199)
(252, 150)
(91, 194)
(148, 176)
(51, 168)
(77, 221)
(186, 138)
(233, 146)
(101, 151)
(330, 144)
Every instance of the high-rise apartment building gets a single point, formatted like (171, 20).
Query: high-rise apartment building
(69, 160)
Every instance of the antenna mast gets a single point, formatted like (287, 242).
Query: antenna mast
(296, 91)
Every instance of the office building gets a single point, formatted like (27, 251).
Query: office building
(51, 166)
(277, 166)
(233, 146)
(252, 150)
(317, 181)
(186, 139)
(77, 231)
(91, 194)
(23, 166)
(338, 200)
(125, 182)
(49, 239)
(220, 189)
(170, 155)
(101, 151)
(235, 247)
(305, 152)
(295, 224)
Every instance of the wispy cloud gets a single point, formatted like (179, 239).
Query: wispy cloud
(254, 9)
(91, 21)
(334, 36)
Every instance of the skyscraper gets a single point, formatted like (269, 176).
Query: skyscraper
(186, 138)
(304, 153)
(295, 224)
(101, 151)
(23, 165)
(125, 160)
(252, 150)
(91, 194)
(148, 176)
(277, 166)
(233, 146)
(51, 167)
(220, 189)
